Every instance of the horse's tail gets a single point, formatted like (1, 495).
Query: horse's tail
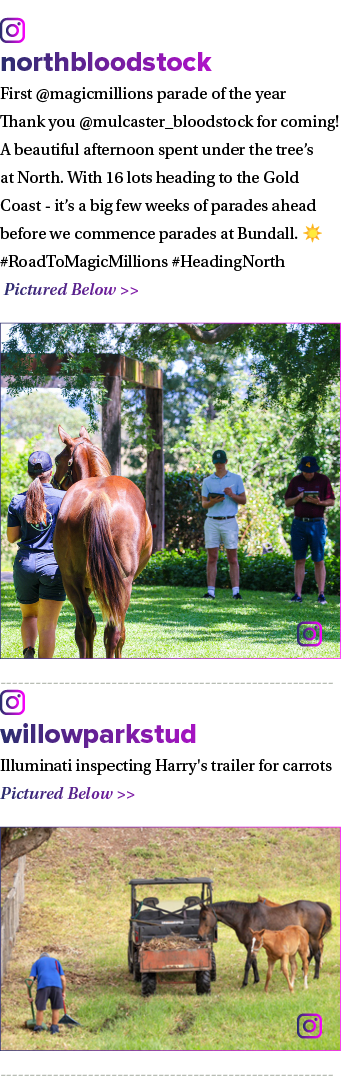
(102, 562)
(328, 920)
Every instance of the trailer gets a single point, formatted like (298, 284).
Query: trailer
(163, 934)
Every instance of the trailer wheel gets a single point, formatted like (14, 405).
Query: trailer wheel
(203, 983)
(148, 983)
(136, 967)
(213, 972)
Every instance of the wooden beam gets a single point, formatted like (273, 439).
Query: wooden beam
(155, 478)
(111, 365)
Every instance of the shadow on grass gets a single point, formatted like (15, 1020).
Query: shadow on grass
(182, 618)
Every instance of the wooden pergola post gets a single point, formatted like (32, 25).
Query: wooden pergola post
(155, 477)
(111, 411)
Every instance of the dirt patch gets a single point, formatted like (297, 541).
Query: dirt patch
(184, 1022)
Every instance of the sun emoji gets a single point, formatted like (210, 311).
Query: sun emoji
(312, 232)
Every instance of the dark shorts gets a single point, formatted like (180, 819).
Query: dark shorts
(37, 576)
(52, 993)
(305, 534)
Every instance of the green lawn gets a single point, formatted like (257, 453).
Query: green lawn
(179, 623)
(77, 908)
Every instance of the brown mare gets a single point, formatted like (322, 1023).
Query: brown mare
(272, 904)
(282, 946)
(103, 539)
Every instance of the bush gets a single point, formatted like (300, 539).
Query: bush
(259, 521)
(266, 572)
(184, 515)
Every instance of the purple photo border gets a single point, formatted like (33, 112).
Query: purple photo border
(212, 1051)
(189, 658)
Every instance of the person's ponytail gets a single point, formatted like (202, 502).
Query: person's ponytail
(35, 507)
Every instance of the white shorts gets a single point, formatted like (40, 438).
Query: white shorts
(221, 531)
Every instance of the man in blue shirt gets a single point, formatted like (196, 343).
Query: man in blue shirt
(51, 985)
(226, 490)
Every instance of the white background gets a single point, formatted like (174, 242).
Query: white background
(252, 46)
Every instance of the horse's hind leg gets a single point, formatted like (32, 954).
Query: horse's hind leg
(85, 630)
(293, 969)
(305, 966)
(113, 640)
(316, 952)
(284, 967)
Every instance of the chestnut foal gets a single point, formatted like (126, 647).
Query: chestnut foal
(282, 946)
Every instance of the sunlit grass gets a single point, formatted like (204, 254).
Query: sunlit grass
(178, 623)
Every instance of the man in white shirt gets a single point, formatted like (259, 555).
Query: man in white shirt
(226, 490)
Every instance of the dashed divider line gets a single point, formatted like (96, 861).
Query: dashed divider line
(178, 683)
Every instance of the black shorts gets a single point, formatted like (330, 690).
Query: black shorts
(52, 993)
(36, 575)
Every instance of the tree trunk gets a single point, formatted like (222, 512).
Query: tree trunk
(111, 417)
(12, 849)
(155, 480)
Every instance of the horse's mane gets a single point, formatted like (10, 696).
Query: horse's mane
(101, 460)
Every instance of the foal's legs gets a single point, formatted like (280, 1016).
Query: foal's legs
(284, 967)
(271, 963)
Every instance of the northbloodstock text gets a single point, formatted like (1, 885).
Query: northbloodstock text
(261, 194)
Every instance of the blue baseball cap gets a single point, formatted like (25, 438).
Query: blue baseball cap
(219, 456)
(308, 463)
(38, 463)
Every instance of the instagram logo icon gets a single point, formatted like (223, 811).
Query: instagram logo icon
(309, 1026)
(309, 634)
(12, 702)
(12, 31)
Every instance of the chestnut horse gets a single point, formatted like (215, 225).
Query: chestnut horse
(103, 539)
(282, 946)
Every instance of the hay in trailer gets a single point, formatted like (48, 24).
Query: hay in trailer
(170, 941)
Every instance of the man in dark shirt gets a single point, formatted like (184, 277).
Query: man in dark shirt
(309, 493)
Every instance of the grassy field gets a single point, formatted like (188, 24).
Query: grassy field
(77, 908)
(178, 622)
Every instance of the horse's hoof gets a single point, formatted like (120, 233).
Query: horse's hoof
(256, 980)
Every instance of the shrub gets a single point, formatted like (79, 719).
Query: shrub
(259, 521)
(265, 572)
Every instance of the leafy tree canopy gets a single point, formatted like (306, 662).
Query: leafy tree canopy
(286, 360)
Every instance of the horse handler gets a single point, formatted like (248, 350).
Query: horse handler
(226, 490)
(37, 579)
(51, 985)
(309, 493)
